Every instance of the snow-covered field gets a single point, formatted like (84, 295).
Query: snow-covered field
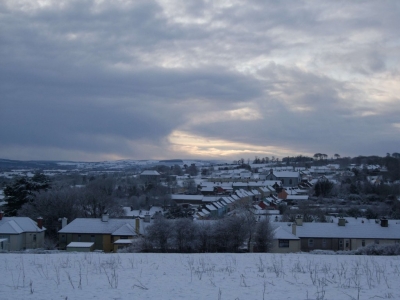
(198, 276)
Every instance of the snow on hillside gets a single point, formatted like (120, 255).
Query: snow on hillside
(198, 276)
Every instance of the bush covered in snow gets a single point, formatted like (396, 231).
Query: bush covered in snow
(376, 249)
(373, 249)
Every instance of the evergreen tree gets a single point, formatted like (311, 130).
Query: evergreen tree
(323, 188)
(23, 190)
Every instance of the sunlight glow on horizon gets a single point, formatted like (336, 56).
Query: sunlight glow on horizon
(192, 145)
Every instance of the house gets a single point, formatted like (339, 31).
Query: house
(288, 178)
(20, 233)
(105, 233)
(187, 199)
(130, 213)
(340, 234)
(80, 247)
(150, 177)
(284, 241)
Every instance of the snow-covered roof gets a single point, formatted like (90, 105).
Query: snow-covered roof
(80, 245)
(126, 229)
(272, 212)
(140, 212)
(207, 189)
(283, 234)
(97, 226)
(123, 242)
(356, 230)
(200, 214)
(17, 225)
(150, 173)
(211, 207)
(227, 200)
(205, 212)
(211, 198)
(187, 197)
(297, 197)
(286, 174)
(267, 189)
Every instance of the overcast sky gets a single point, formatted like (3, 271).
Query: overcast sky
(114, 79)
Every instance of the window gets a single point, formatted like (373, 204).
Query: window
(92, 238)
(323, 243)
(283, 243)
(34, 237)
(363, 243)
(123, 237)
(376, 241)
(79, 237)
(290, 181)
(341, 244)
(311, 243)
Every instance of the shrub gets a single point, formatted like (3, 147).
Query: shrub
(376, 249)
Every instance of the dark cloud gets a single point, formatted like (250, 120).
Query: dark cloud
(116, 79)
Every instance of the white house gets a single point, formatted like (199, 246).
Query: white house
(20, 233)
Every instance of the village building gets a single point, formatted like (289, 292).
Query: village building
(20, 233)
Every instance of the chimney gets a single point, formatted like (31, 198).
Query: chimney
(1, 215)
(147, 218)
(294, 228)
(64, 222)
(384, 222)
(104, 218)
(137, 225)
(299, 220)
(40, 222)
(342, 222)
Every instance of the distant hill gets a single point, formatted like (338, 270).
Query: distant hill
(7, 164)
(118, 165)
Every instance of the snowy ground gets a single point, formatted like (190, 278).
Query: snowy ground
(198, 276)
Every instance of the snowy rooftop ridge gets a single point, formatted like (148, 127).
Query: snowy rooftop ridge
(17, 225)
(97, 226)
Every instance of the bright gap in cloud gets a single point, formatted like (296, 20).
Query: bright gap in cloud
(198, 146)
(242, 114)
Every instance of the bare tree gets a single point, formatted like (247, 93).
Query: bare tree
(185, 235)
(190, 186)
(52, 205)
(160, 233)
(264, 235)
(205, 235)
(94, 203)
(230, 233)
(249, 220)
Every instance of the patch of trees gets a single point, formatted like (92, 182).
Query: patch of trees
(320, 156)
(296, 159)
(23, 190)
(192, 170)
(263, 160)
(308, 211)
(390, 161)
(231, 234)
(90, 201)
(323, 188)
